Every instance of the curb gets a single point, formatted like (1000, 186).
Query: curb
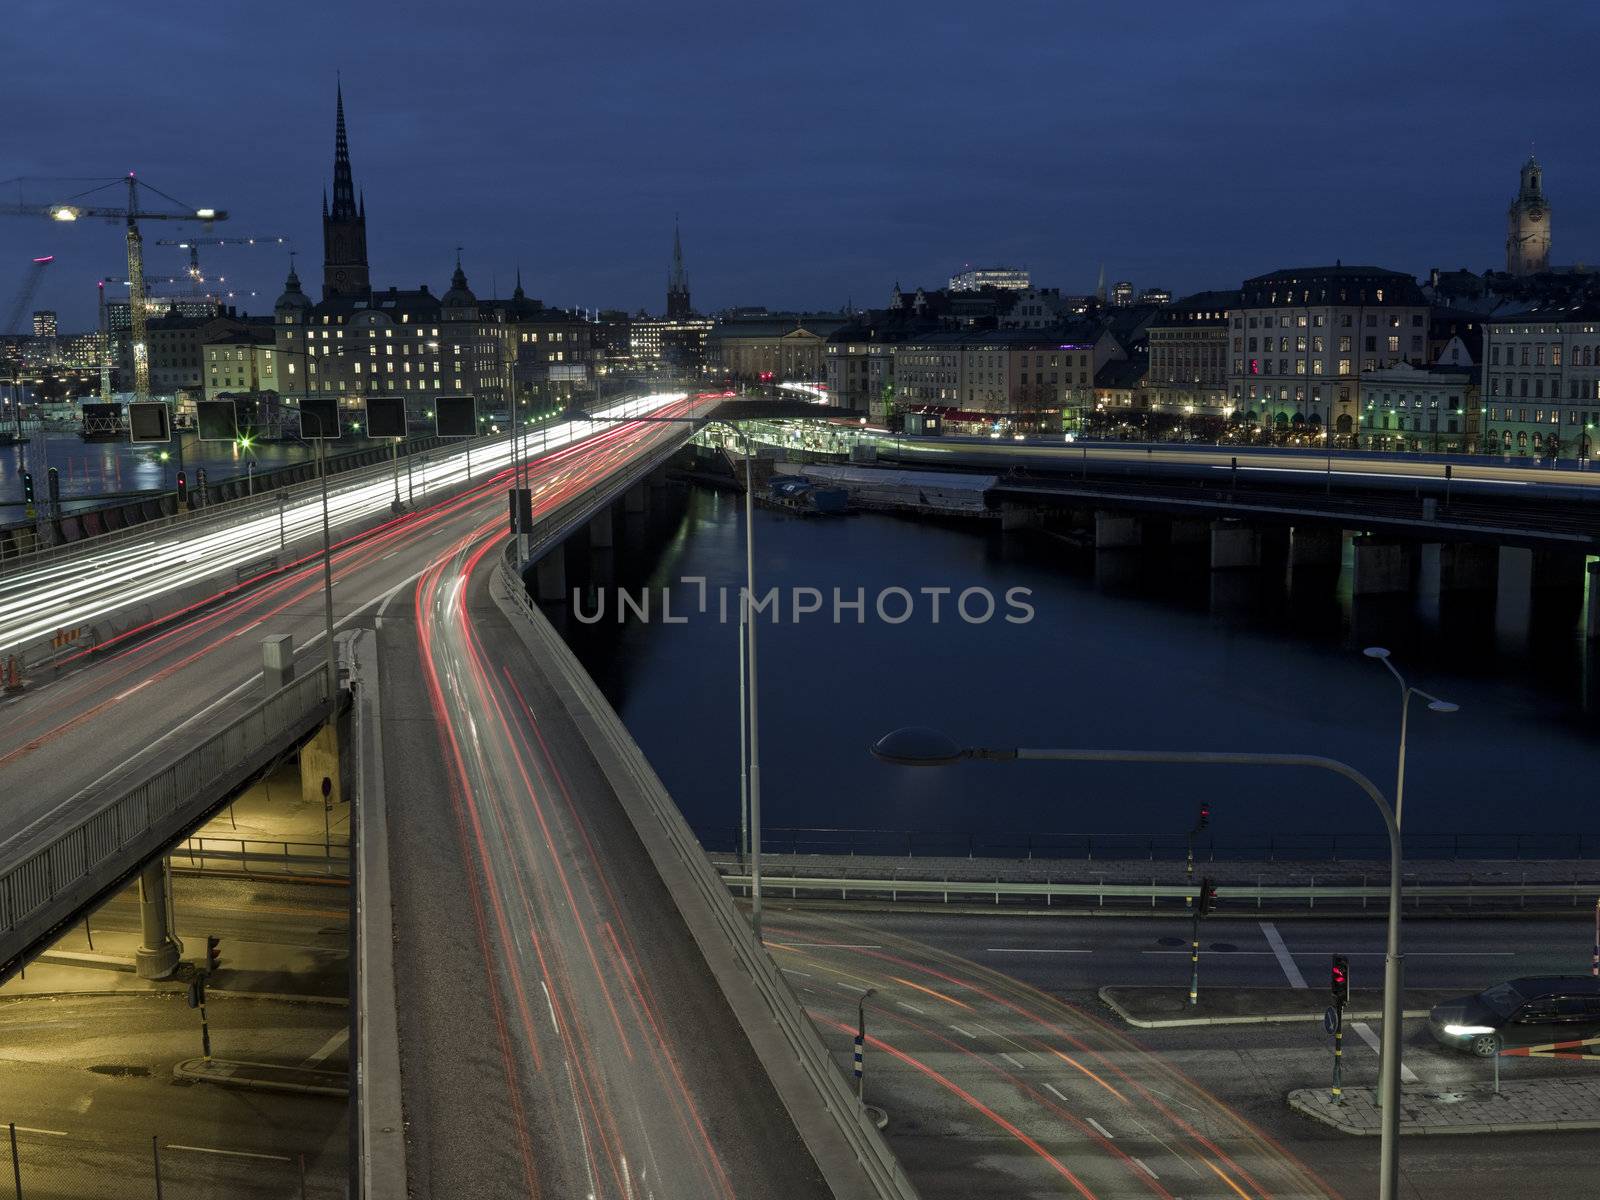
(161, 989)
(1263, 1019)
(208, 1072)
(1316, 1113)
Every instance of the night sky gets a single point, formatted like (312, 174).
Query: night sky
(816, 152)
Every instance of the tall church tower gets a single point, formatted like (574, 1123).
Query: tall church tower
(344, 226)
(1528, 224)
(678, 307)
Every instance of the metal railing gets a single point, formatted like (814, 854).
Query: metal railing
(264, 856)
(1311, 847)
(999, 891)
(44, 888)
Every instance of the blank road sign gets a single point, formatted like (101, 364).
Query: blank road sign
(217, 420)
(149, 421)
(319, 417)
(386, 416)
(458, 416)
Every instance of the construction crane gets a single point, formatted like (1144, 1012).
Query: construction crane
(71, 209)
(192, 245)
(30, 285)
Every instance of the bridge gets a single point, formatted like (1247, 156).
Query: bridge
(556, 944)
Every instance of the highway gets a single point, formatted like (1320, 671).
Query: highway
(551, 989)
(112, 712)
(1002, 1072)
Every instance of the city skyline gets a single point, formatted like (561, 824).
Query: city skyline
(579, 189)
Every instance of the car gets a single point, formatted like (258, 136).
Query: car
(1520, 1012)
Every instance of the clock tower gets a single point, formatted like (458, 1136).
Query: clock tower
(1528, 224)
(344, 226)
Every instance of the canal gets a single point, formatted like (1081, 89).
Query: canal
(1129, 649)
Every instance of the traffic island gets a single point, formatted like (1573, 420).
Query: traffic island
(264, 1077)
(1530, 1106)
(1169, 1007)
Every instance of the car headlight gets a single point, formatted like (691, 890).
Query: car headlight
(1467, 1030)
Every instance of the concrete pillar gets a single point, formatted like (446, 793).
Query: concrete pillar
(319, 760)
(277, 661)
(1017, 516)
(1315, 546)
(1513, 591)
(550, 584)
(1234, 544)
(635, 500)
(157, 956)
(1190, 533)
(1592, 620)
(600, 532)
(1381, 568)
(1557, 569)
(1114, 531)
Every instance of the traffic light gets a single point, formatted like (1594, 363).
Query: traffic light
(1208, 897)
(52, 484)
(213, 952)
(183, 490)
(27, 487)
(1340, 980)
(1205, 816)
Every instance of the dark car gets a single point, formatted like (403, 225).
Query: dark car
(1521, 1012)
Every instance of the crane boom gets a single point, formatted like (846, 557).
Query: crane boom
(30, 284)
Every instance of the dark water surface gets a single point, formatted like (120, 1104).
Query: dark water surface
(1130, 649)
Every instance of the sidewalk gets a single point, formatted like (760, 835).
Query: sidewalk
(1531, 1106)
(1169, 1007)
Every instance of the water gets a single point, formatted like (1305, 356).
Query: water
(1125, 650)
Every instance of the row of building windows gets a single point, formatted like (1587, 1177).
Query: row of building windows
(1316, 321)
(1577, 389)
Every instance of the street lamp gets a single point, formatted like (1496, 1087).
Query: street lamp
(327, 548)
(861, 1042)
(921, 747)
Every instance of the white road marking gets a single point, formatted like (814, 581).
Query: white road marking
(1104, 1132)
(1146, 1167)
(909, 1007)
(825, 946)
(45, 1132)
(1012, 1061)
(1051, 1088)
(551, 1006)
(1285, 959)
(792, 971)
(228, 1153)
(328, 1047)
(1407, 1075)
(135, 688)
(1032, 950)
(389, 555)
(964, 1033)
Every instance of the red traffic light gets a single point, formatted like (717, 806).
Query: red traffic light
(1339, 979)
(213, 952)
(183, 488)
(1205, 816)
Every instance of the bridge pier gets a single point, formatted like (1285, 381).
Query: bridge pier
(1234, 545)
(319, 760)
(1513, 592)
(158, 953)
(550, 577)
(1114, 531)
(1016, 516)
(1382, 568)
(1315, 546)
(1592, 617)
(601, 535)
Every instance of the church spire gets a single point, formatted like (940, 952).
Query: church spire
(678, 305)
(344, 221)
(344, 191)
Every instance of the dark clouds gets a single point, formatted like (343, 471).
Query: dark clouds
(815, 151)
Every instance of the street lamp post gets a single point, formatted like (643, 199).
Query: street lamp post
(916, 747)
(861, 1043)
(327, 549)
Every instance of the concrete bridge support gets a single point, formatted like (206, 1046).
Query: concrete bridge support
(1513, 592)
(158, 952)
(1114, 531)
(550, 576)
(319, 761)
(1017, 516)
(1381, 568)
(1591, 625)
(1234, 545)
(601, 534)
(1316, 546)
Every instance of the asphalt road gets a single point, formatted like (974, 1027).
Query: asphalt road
(560, 1034)
(88, 1082)
(975, 1020)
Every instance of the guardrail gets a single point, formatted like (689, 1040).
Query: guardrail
(261, 856)
(881, 1170)
(950, 891)
(918, 843)
(123, 830)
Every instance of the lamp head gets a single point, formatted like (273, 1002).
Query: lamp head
(915, 746)
(1443, 706)
(1375, 652)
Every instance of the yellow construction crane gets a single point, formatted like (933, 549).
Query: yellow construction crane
(192, 245)
(72, 209)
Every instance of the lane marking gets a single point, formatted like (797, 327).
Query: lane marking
(46, 1132)
(228, 1153)
(551, 1006)
(824, 946)
(792, 971)
(1104, 1132)
(964, 1033)
(1407, 1075)
(911, 1008)
(1285, 959)
(1145, 1166)
(1031, 950)
(1012, 1061)
(328, 1047)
